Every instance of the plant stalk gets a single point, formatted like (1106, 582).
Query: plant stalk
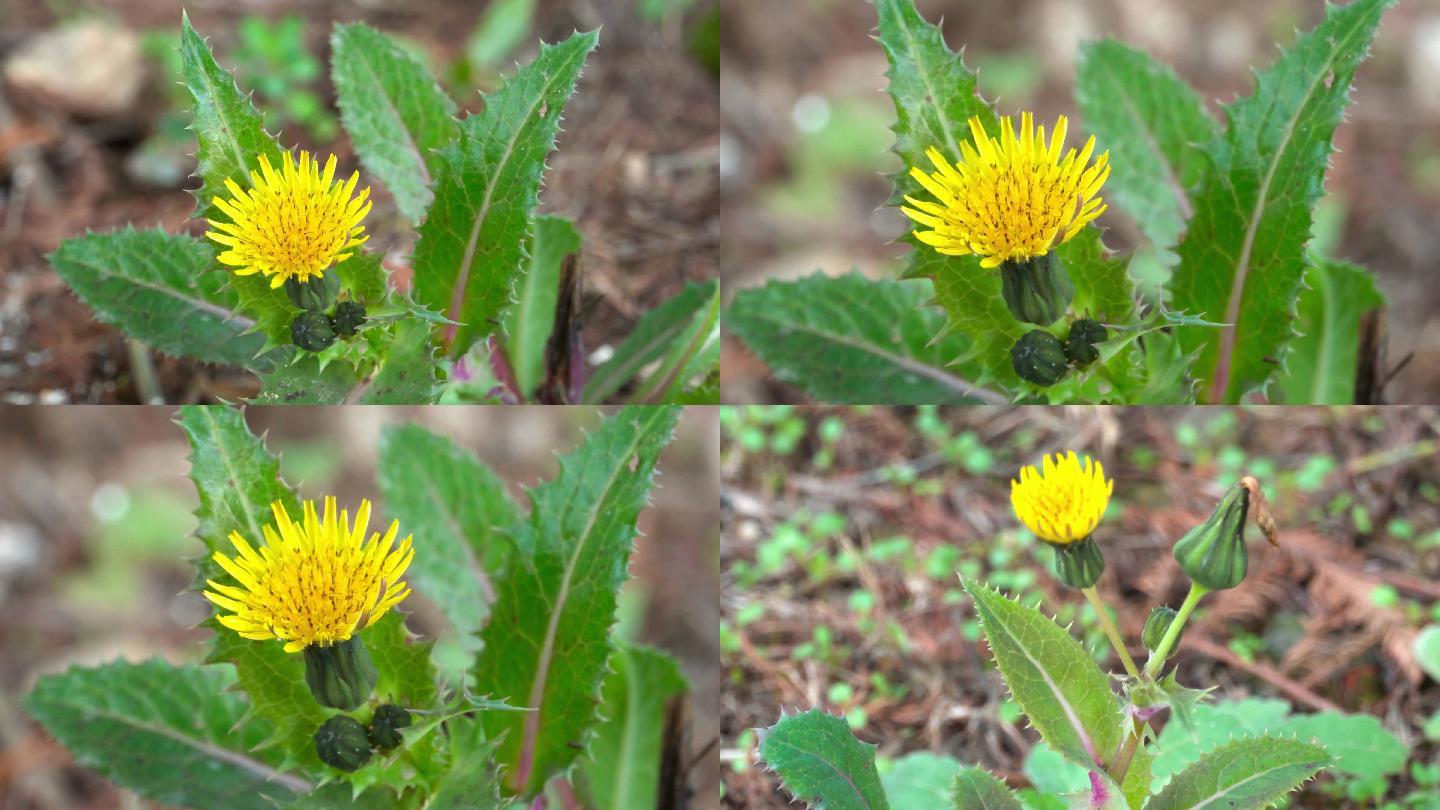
(1111, 631)
(1152, 668)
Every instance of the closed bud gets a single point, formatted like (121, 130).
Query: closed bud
(312, 331)
(348, 317)
(1213, 553)
(1037, 290)
(1079, 564)
(1080, 343)
(1039, 358)
(386, 724)
(340, 675)
(1156, 626)
(341, 743)
(315, 295)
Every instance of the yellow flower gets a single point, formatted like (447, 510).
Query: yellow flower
(1008, 199)
(1064, 503)
(314, 582)
(294, 223)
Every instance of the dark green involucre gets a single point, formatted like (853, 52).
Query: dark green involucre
(1156, 626)
(1037, 290)
(1213, 553)
(1079, 564)
(1039, 358)
(312, 331)
(1080, 343)
(315, 295)
(341, 743)
(340, 675)
(386, 724)
(349, 315)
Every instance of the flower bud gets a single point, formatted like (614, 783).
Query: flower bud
(1157, 625)
(1036, 290)
(1213, 553)
(386, 724)
(1079, 564)
(340, 675)
(341, 743)
(312, 331)
(1080, 343)
(348, 317)
(315, 295)
(1039, 358)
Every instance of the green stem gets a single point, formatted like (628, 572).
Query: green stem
(1172, 634)
(1111, 631)
(1157, 658)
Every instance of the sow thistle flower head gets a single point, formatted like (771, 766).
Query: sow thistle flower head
(313, 583)
(1009, 199)
(1062, 503)
(294, 222)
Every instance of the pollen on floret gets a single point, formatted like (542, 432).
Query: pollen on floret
(296, 221)
(1011, 198)
(1063, 501)
(315, 582)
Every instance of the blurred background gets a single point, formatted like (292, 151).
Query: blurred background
(843, 531)
(93, 136)
(806, 138)
(95, 532)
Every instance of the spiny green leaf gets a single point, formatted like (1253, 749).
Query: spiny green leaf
(471, 246)
(623, 768)
(407, 376)
(459, 512)
(1065, 696)
(162, 290)
(1320, 366)
(274, 680)
(977, 789)
(1246, 773)
(1152, 123)
(1053, 774)
(364, 275)
(935, 95)
(684, 345)
(303, 382)
(549, 633)
(528, 324)
(406, 675)
(237, 480)
(230, 132)
(821, 763)
(1103, 289)
(850, 339)
(657, 332)
(473, 782)
(174, 735)
(231, 138)
(396, 114)
(1243, 257)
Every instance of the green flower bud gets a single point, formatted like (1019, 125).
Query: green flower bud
(1039, 358)
(1079, 564)
(312, 331)
(341, 743)
(1080, 343)
(340, 675)
(348, 317)
(315, 295)
(1213, 553)
(1037, 291)
(386, 724)
(1156, 626)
